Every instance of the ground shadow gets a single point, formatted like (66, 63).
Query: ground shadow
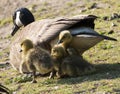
(104, 71)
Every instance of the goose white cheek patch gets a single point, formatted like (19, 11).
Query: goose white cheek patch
(17, 20)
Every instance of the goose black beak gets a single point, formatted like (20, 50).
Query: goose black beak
(15, 29)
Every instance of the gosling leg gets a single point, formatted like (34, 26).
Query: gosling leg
(34, 77)
(32, 68)
(52, 74)
(59, 73)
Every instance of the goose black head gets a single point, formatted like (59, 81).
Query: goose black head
(21, 17)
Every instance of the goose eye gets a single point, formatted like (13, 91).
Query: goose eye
(21, 44)
(21, 15)
(53, 50)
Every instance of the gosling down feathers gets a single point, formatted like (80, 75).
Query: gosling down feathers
(69, 65)
(34, 59)
(45, 33)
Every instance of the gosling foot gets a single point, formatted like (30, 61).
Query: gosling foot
(52, 74)
(33, 81)
(58, 75)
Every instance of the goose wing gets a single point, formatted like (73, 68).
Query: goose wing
(53, 29)
(89, 32)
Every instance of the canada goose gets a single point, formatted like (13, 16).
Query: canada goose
(66, 38)
(21, 17)
(45, 33)
(4, 89)
(71, 65)
(35, 58)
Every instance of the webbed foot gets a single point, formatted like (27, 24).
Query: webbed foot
(33, 81)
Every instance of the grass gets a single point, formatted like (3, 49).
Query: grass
(5, 21)
(105, 56)
(102, 81)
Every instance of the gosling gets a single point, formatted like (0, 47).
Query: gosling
(71, 65)
(35, 59)
(65, 40)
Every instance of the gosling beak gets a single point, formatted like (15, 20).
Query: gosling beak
(20, 50)
(59, 41)
(15, 29)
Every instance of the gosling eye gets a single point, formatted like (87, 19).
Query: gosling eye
(65, 36)
(53, 50)
(20, 50)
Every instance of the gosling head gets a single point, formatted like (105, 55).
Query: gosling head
(21, 17)
(65, 37)
(58, 52)
(26, 45)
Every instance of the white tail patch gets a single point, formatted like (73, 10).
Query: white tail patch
(86, 36)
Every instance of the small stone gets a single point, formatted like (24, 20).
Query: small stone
(114, 16)
(111, 32)
(94, 5)
(106, 18)
(113, 25)
(56, 87)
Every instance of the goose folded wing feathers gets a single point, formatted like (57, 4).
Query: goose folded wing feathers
(53, 29)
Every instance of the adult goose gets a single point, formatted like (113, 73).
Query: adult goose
(45, 33)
